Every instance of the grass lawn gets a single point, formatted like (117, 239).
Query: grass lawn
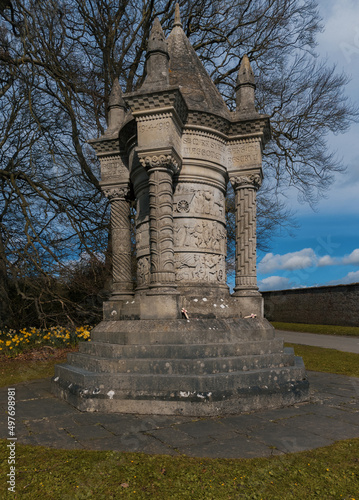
(319, 359)
(31, 365)
(325, 473)
(350, 331)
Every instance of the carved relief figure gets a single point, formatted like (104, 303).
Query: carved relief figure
(201, 234)
(203, 267)
(198, 199)
(143, 271)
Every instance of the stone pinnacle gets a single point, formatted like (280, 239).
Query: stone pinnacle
(116, 98)
(177, 21)
(157, 37)
(245, 73)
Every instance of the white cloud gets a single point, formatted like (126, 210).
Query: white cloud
(352, 258)
(289, 261)
(352, 277)
(326, 260)
(274, 283)
(303, 259)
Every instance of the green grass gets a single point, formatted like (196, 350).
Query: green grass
(319, 359)
(324, 473)
(321, 329)
(32, 366)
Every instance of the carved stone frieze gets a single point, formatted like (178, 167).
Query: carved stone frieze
(199, 200)
(199, 234)
(196, 267)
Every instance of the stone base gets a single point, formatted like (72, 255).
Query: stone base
(199, 367)
(221, 305)
(225, 306)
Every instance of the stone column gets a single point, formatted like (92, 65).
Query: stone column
(160, 170)
(121, 242)
(245, 188)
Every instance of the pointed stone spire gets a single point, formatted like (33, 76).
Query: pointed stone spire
(187, 71)
(156, 58)
(116, 98)
(157, 40)
(116, 109)
(177, 21)
(245, 88)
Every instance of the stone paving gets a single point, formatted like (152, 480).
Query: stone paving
(332, 414)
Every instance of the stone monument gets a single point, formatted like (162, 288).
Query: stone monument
(172, 147)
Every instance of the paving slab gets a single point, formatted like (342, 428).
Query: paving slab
(177, 438)
(290, 439)
(331, 414)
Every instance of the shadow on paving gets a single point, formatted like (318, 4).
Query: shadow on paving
(330, 415)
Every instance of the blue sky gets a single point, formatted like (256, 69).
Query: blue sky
(325, 247)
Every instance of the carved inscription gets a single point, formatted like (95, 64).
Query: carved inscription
(154, 125)
(203, 147)
(244, 154)
(112, 167)
(200, 267)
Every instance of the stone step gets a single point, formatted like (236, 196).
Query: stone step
(180, 366)
(181, 351)
(79, 380)
(201, 331)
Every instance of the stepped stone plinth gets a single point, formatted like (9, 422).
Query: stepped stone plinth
(170, 150)
(201, 367)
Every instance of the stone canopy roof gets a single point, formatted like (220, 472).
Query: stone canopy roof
(187, 72)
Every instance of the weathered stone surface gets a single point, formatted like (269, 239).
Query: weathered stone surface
(324, 305)
(173, 154)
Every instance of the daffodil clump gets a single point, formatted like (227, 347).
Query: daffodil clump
(13, 342)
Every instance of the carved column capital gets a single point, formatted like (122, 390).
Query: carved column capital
(160, 162)
(253, 181)
(116, 192)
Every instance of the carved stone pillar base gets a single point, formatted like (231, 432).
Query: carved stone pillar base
(249, 302)
(122, 291)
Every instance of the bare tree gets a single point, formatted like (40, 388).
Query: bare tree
(58, 61)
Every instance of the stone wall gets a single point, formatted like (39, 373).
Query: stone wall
(325, 305)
